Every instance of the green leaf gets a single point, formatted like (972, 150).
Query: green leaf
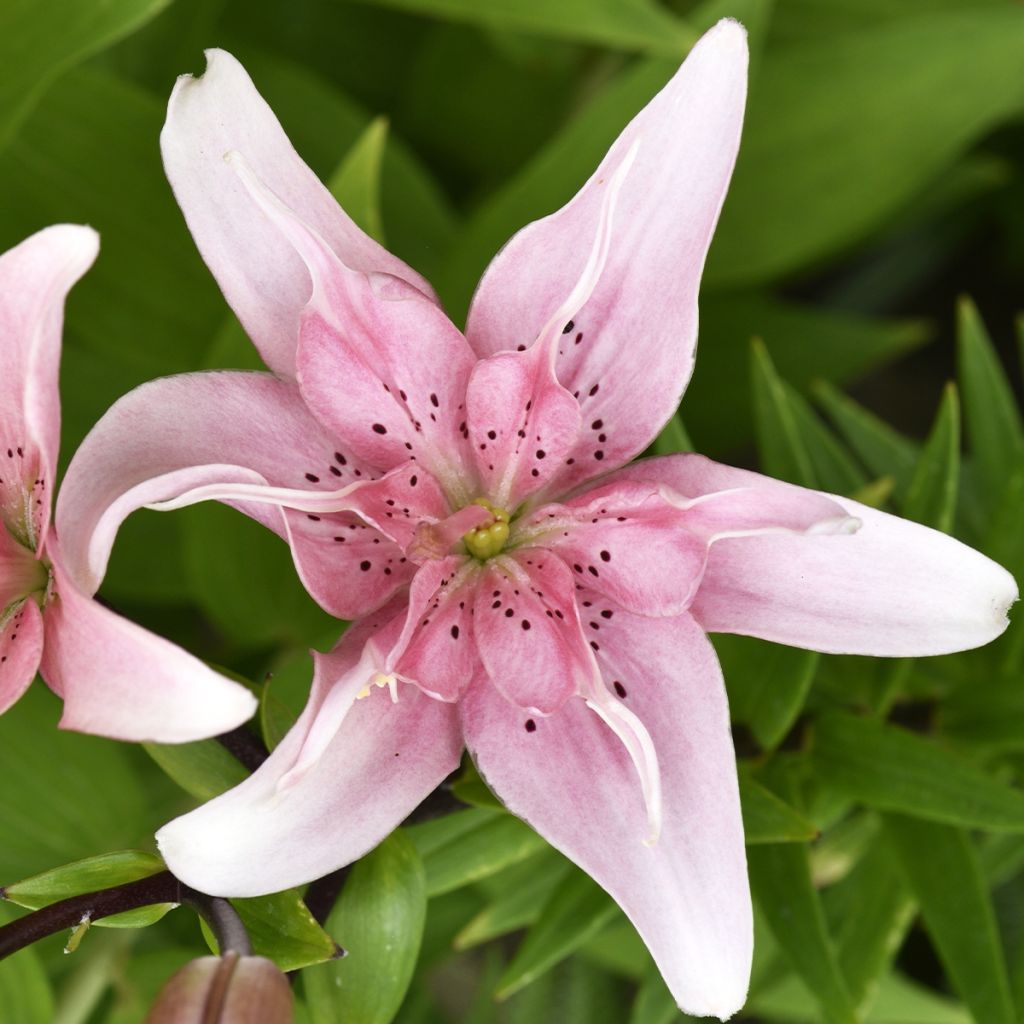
(942, 870)
(39, 42)
(25, 993)
(870, 911)
(861, 132)
(523, 890)
(717, 405)
(892, 769)
(994, 427)
(673, 438)
(202, 768)
(282, 929)
(767, 819)
(768, 684)
(654, 1003)
(623, 24)
(379, 921)
(356, 182)
(780, 876)
(489, 842)
(576, 910)
(779, 441)
(931, 497)
(74, 795)
(883, 450)
(87, 876)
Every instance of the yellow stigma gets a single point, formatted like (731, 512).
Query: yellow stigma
(488, 540)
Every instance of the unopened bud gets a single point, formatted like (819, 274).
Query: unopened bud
(229, 989)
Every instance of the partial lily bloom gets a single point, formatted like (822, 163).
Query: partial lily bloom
(116, 678)
(519, 586)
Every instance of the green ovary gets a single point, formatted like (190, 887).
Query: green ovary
(488, 540)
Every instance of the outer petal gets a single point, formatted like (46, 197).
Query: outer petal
(259, 273)
(121, 681)
(21, 645)
(528, 631)
(380, 365)
(628, 353)
(893, 588)
(174, 434)
(572, 780)
(385, 758)
(35, 278)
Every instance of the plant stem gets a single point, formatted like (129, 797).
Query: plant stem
(162, 887)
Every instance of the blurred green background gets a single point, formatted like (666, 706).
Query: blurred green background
(879, 179)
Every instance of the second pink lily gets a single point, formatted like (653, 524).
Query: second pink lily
(518, 587)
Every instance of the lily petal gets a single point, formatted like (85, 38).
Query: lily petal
(572, 779)
(891, 589)
(528, 631)
(261, 276)
(402, 364)
(35, 278)
(382, 761)
(628, 353)
(173, 435)
(119, 680)
(21, 646)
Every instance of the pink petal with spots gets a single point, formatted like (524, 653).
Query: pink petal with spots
(381, 761)
(379, 364)
(572, 779)
(628, 352)
(891, 589)
(528, 631)
(122, 681)
(35, 278)
(21, 646)
(437, 649)
(173, 435)
(627, 542)
(259, 273)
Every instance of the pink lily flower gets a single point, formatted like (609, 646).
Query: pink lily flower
(520, 588)
(116, 678)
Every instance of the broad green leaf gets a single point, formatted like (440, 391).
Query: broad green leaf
(931, 496)
(654, 1003)
(471, 789)
(779, 440)
(994, 428)
(40, 41)
(717, 405)
(869, 911)
(885, 452)
(379, 921)
(285, 692)
(780, 876)
(68, 796)
(942, 870)
(576, 910)
(861, 132)
(622, 24)
(202, 768)
(25, 993)
(767, 819)
(88, 875)
(356, 182)
(490, 843)
(281, 928)
(892, 769)
(767, 684)
(521, 892)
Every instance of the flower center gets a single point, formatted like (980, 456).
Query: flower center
(488, 539)
(21, 575)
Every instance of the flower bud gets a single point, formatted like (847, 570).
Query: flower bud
(229, 989)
